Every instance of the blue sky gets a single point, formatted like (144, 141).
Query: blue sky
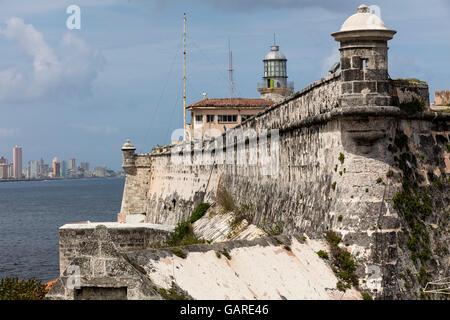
(82, 93)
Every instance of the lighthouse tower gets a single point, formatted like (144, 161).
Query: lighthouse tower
(275, 86)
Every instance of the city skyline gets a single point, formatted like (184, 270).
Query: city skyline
(38, 169)
(99, 86)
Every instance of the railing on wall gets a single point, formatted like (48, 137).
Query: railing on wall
(263, 85)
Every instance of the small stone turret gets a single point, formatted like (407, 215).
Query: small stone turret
(364, 60)
(128, 156)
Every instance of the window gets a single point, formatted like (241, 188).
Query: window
(210, 118)
(227, 118)
(245, 116)
(199, 118)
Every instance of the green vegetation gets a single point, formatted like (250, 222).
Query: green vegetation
(333, 185)
(199, 212)
(416, 205)
(411, 80)
(226, 253)
(389, 174)
(413, 106)
(179, 253)
(323, 254)
(183, 233)
(271, 228)
(366, 296)
(244, 212)
(218, 255)
(225, 200)
(444, 110)
(15, 289)
(423, 276)
(414, 208)
(336, 105)
(379, 180)
(172, 294)
(341, 158)
(340, 218)
(344, 264)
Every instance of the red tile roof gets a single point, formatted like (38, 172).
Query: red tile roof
(232, 102)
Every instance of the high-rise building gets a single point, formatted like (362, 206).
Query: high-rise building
(72, 165)
(33, 169)
(84, 166)
(41, 168)
(56, 168)
(64, 169)
(4, 168)
(17, 160)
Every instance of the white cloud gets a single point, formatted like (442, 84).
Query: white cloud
(102, 130)
(49, 76)
(7, 132)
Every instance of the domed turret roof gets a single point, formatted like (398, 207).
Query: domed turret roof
(275, 54)
(363, 20)
(128, 146)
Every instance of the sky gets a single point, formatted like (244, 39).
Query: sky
(82, 93)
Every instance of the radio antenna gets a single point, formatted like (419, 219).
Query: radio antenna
(230, 69)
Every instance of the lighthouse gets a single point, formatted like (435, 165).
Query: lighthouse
(275, 86)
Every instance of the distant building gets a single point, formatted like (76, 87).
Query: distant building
(100, 172)
(212, 117)
(33, 169)
(17, 160)
(64, 169)
(72, 165)
(4, 168)
(56, 168)
(84, 167)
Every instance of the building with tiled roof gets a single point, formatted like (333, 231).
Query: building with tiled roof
(212, 117)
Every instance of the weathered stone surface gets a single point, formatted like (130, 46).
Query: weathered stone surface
(106, 273)
(258, 269)
(102, 239)
(442, 98)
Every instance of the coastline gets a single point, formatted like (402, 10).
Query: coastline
(57, 179)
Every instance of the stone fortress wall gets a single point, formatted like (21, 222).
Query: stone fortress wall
(336, 168)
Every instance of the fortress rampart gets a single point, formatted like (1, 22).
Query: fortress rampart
(336, 170)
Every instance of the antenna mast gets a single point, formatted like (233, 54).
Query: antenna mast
(184, 79)
(230, 69)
